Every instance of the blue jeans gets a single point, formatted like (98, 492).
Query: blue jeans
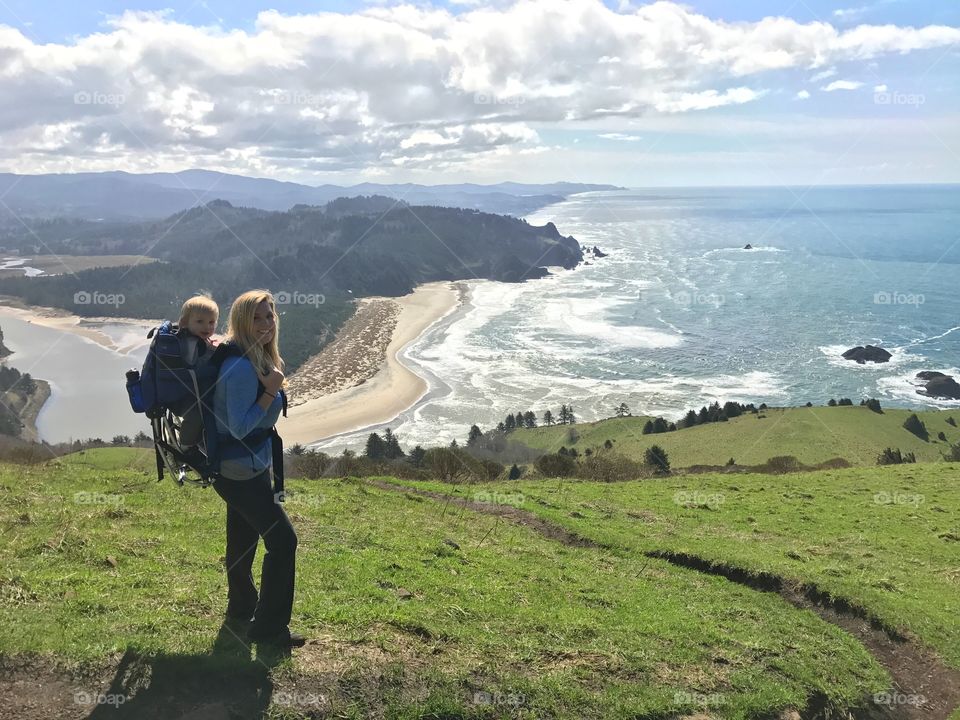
(253, 513)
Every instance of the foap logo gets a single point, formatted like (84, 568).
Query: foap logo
(289, 498)
(482, 697)
(95, 297)
(688, 299)
(885, 498)
(485, 98)
(300, 98)
(898, 298)
(696, 699)
(498, 498)
(97, 498)
(294, 297)
(85, 698)
(697, 498)
(298, 699)
(882, 96)
(899, 698)
(88, 97)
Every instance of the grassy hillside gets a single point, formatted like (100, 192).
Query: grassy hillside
(813, 435)
(424, 610)
(886, 539)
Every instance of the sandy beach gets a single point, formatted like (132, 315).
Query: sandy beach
(359, 381)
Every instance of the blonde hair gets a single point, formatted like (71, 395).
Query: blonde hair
(197, 305)
(240, 331)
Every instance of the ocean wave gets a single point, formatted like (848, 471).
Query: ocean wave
(905, 385)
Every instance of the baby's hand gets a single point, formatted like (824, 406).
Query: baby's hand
(213, 341)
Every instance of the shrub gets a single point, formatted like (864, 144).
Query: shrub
(872, 404)
(608, 444)
(894, 457)
(780, 464)
(951, 421)
(831, 403)
(556, 465)
(942, 436)
(514, 472)
(452, 465)
(953, 454)
(611, 467)
(491, 469)
(915, 425)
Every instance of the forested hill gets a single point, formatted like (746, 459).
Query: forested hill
(348, 248)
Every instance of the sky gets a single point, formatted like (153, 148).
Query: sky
(782, 92)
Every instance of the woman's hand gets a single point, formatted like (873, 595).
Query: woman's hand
(272, 381)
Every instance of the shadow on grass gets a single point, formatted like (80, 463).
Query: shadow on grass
(227, 684)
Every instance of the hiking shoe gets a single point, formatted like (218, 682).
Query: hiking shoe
(284, 638)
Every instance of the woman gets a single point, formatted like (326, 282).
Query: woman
(247, 403)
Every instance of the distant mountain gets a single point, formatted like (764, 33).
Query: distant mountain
(128, 196)
(326, 255)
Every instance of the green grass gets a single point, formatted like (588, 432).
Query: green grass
(813, 435)
(98, 559)
(885, 538)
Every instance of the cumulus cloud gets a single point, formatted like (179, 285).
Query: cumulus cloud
(802, 95)
(842, 85)
(391, 85)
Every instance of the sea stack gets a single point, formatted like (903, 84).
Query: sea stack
(870, 353)
(938, 385)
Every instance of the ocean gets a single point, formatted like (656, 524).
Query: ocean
(679, 314)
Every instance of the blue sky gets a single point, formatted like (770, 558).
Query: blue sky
(61, 20)
(439, 93)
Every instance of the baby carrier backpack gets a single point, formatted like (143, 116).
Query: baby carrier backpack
(175, 390)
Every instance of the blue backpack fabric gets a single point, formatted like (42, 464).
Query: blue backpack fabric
(177, 383)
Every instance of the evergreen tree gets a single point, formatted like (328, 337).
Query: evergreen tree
(474, 436)
(391, 445)
(622, 410)
(548, 417)
(375, 450)
(416, 456)
(530, 419)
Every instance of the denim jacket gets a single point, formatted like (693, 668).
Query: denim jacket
(239, 414)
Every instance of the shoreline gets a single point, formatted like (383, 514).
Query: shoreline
(392, 389)
(65, 321)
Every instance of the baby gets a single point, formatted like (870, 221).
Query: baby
(199, 316)
(198, 320)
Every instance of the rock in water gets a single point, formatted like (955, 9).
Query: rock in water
(938, 385)
(748, 246)
(870, 353)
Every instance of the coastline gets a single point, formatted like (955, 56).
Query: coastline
(65, 321)
(393, 388)
(30, 412)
